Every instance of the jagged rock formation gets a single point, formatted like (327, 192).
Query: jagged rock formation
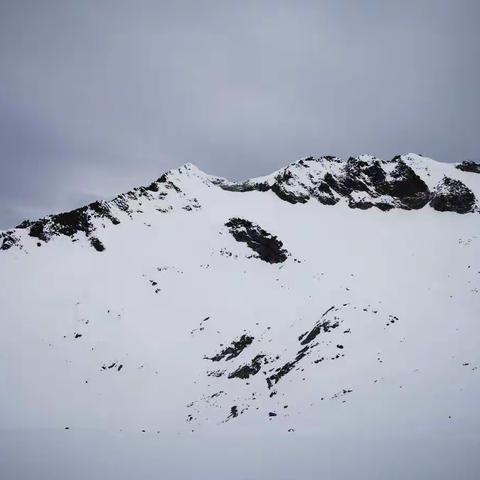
(364, 181)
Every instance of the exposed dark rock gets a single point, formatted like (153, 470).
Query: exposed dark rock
(324, 194)
(24, 224)
(306, 341)
(79, 220)
(325, 326)
(245, 187)
(342, 393)
(267, 246)
(233, 412)
(103, 210)
(201, 326)
(288, 196)
(361, 204)
(287, 367)
(252, 368)
(469, 166)
(351, 180)
(153, 187)
(37, 229)
(70, 223)
(407, 187)
(8, 240)
(67, 223)
(384, 207)
(374, 172)
(452, 196)
(280, 188)
(234, 350)
(97, 244)
(121, 202)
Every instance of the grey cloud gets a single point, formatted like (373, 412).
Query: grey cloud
(96, 97)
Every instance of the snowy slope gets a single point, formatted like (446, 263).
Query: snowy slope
(326, 299)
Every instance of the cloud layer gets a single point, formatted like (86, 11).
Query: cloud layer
(96, 97)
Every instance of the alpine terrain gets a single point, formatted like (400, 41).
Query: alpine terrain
(333, 305)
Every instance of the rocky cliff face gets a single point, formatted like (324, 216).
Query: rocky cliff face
(363, 182)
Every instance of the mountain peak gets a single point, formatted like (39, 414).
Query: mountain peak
(189, 168)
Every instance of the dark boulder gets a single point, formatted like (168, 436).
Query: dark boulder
(452, 195)
(97, 244)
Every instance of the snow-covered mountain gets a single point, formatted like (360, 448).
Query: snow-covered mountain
(330, 296)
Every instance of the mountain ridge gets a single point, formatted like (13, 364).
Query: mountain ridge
(408, 182)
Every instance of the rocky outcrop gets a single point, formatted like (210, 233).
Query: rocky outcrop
(8, 240)
(246, 371)
(469, 166)
(86, 220)
(364, 182)
(452, 196)
(405, 186)
(71, 223)
(267, 246)
(379, 185)
(233, 350)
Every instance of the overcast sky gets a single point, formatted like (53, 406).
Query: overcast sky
(97, 96)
